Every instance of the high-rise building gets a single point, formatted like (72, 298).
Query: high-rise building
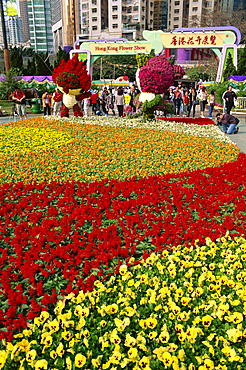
(40, 25)
(160, 20)
(115, 18)
(25, 20)
(15, 30)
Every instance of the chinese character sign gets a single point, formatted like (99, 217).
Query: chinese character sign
(196, 40)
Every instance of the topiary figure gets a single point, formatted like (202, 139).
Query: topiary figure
(155, 77)
(73, 81)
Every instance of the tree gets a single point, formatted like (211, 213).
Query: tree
(7, 86)
(241, 67)
(61, 54)
(229, 68)
(16, 58)
(112, 67)
(30, 70)
(43, 66)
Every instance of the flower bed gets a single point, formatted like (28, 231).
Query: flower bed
(182, 309)
(108, 151)
(58, 237)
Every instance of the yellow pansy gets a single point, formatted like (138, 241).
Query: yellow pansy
(41, 365)
(79, 360)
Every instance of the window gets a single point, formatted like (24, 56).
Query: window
(115, 25)
(176, 19)
(84, 6)
(94, 2)
(94, 10)
(115, 16)
(176, 26)
(129, 10)
(135, 8)
(194, 17)
(176, 3)
(176, 11)
(94, 28)
(208, 4)
(114, 8)
(143, 8)
(195, 8)
(135, 17)
(94, 19)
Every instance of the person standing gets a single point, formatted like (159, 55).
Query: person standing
(229, 96)
(110, 102)
(94, 101)
(193, 102)
(19, 98)
(177, 101)
(57, 98)
(119, 101)
(46, 101)
(133, 93)
(229, 123)
(103, 100)
(211, 103)
(186, 104)
(203, 100)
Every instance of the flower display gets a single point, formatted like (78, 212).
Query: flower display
(74, 82)
(99, 149)
(156, 75)
(146, 186)
(181, 309)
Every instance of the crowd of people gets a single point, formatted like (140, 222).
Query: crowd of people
(111, 101)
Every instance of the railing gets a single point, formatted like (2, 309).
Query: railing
(240, 104)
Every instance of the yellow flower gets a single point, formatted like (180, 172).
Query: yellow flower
(80, 360)
(208, 364)
(234, 335)
(151, 322)
(115, 358)
(130, 341)
(207, 320)
(3, 357)
(69, 363)
(144, 362)
(123, 269)
(54, 325)
(30, 356)
(132, 353)
(166, 358)
(60, 350)
(53, 354)
(236, 317)
(164, 337)
(41, 365)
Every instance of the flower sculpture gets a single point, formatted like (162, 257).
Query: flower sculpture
(73, 81)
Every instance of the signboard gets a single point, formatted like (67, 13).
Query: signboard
(11, 7)
(198, 39)
(130, 47)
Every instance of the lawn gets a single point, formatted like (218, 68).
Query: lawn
(81, 197)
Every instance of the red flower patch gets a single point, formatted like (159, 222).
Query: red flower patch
(57, 238)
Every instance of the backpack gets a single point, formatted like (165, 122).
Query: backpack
(237, 120)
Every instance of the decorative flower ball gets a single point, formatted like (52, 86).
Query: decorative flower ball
(156, 75)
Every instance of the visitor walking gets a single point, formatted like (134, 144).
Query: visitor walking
(133, 93)
(46, 102)
(110, 102)
(211, 103)
(103, 100)
(94, 101)
(186, 104)
(119, 101)
(229, 123)
(202, 95)
(229, 97)
(177, 101)
(19, 98)
(57, 98)
(193, 102)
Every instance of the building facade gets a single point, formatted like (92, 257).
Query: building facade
(40, 27)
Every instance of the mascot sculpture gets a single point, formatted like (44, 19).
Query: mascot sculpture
(73, 81)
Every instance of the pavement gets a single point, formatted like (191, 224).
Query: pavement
(239, 139)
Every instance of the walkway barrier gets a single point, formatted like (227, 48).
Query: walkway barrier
(240, 104)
